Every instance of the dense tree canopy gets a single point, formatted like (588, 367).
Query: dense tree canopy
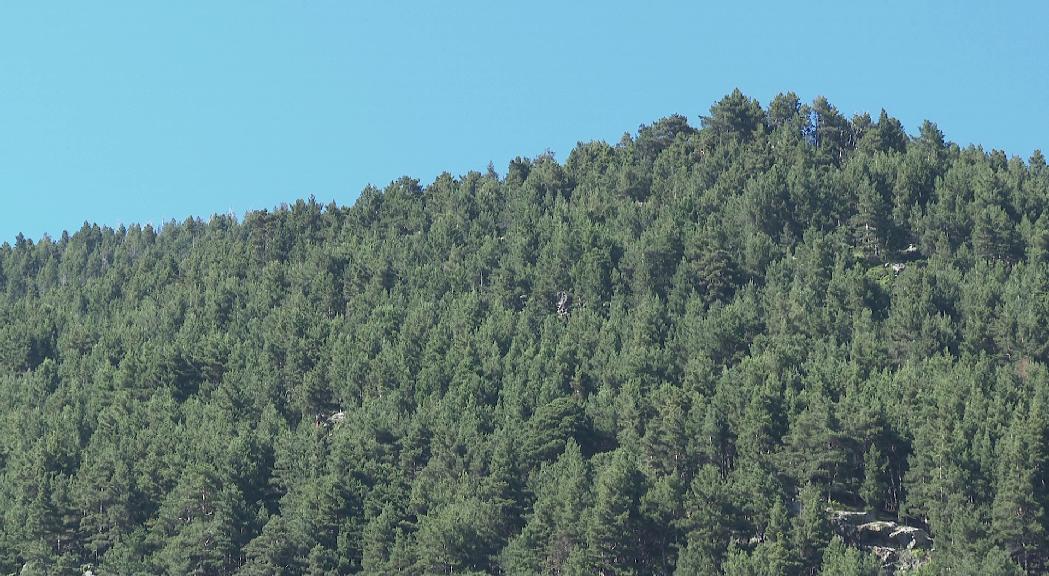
(670, 355)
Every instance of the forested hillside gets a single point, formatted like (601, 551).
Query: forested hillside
(682, 353)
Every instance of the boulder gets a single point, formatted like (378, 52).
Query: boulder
(899, 547)
(908, 561)
(845, 522)
(885, 554)
(875, 533)
(851, 517)
(911, 537)
(564, 303)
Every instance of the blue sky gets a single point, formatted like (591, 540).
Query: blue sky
(135, 111)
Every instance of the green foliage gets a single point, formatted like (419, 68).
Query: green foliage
(668, 355)
(840, 560)
(811, 529)
(874, 489)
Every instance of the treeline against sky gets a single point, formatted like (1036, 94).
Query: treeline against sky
(671, 354)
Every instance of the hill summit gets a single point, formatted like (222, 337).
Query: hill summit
(778, 341)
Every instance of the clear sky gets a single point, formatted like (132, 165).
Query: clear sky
(141, 111)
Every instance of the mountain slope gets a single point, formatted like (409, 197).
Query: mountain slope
(675, 353)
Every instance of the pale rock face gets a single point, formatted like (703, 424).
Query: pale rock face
(895, 545)
(850, 517)
(845, 522)
(885, 554)
(877, 529)
(911, 537)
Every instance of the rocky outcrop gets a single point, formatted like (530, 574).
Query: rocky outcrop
(564, 304)
(899, 547)
(888, 556)
(874, 533)
(845, 522)
(850, 517)
(891, 534)
(911, 537)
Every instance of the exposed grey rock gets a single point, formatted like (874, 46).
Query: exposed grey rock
(908, 561)
(845, 522)
(850, 517)
(911, 537)
(900, 548)
(885, 554)
(564, 303)
(879, 529)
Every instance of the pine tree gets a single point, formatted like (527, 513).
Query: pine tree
(614, 523)
(840, 560)
(711, 516)
(811, 529)
(874, 487)
(1017, 517)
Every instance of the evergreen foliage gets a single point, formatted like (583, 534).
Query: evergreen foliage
(670, 355)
